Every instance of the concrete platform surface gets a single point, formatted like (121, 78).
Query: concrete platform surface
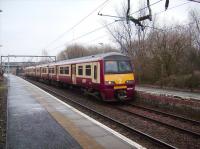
(173, 93)
(38, 120)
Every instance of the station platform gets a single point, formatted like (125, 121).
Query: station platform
(38, 120)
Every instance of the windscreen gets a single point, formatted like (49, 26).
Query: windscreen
(114, 67)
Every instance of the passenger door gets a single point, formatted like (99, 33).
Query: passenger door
(73, 68)
(40, 72)
(57, 72)
(96, 73)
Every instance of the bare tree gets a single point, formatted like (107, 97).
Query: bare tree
(73, 51)
(77, 50)
(122, 33)
(104, 48)
(195, 26)
(126, 33)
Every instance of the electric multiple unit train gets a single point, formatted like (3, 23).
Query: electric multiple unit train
(109, 76)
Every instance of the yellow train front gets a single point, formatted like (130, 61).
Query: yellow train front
(118, 76)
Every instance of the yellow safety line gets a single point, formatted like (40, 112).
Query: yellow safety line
(86, 141)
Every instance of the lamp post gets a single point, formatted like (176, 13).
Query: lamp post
(8, 64)
(101, 43)
(1, 58)
(101, 46)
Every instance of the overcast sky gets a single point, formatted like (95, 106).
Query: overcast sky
(28, 26)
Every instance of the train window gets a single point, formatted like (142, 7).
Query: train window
(124, 66)
(95, 72)
(111, 67)
(80, 70)
(88, 70)
(61, 70)
(66, 70)
(51, 70)
(114, 67)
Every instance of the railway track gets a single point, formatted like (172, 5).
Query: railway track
(127, 109)
(181, 118)
(154, 140)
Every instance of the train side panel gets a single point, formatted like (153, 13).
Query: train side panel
(44, 73)
(64, 74)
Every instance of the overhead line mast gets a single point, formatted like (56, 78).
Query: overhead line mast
(122, 19)
(138, 20)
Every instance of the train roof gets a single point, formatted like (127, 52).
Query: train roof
(29, 67)
(42, 65)
(86, 58)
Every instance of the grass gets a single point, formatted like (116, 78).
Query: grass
(3, 100)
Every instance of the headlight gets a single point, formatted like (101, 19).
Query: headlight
(130, 82)
(109, 82)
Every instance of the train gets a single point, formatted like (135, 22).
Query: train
(109, 76)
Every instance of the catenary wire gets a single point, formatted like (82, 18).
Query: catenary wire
(115, 22)
(79, 22)
(194, 1)
(95, 39)
(156, 28)
(172, 8)
(112, 16)
(83, 35)
(108, 24)
(146, 7)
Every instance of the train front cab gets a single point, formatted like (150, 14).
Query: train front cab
(119, 82)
